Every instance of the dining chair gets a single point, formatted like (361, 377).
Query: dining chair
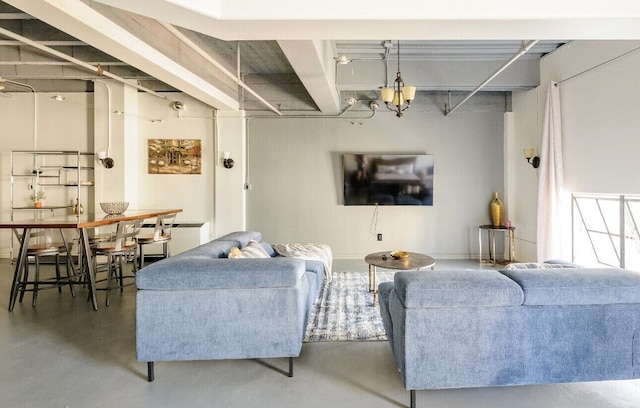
(118, 252)
(161, 235)
(41, 244)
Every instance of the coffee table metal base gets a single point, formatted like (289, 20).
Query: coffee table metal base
(384, 260)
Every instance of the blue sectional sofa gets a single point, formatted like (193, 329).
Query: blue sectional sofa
(199, 305)
(485, 328)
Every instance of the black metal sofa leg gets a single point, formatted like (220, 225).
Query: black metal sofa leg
(412, 397)
(151, 374)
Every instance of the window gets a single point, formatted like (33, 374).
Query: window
(605, 230)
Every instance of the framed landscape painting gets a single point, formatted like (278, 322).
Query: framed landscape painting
(174, 156)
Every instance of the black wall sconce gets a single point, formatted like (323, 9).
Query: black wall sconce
(227, 161)
(529, 155)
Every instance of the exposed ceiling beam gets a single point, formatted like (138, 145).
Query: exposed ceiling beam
(84, 23)
(91, 68)
(455, 19)
(189, 43)
(314, 64)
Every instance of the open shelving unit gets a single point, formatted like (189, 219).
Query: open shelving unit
(61, 175)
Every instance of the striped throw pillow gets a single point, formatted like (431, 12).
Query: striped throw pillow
(252, 250)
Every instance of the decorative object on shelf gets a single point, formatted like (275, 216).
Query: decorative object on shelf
(114, 207)
(497, 210)
(77, 208)
(529, 154)
(399, 97)
(37, 198)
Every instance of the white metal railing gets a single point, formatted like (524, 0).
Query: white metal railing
(605, 230)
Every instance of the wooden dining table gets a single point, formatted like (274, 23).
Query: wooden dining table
(82, 224)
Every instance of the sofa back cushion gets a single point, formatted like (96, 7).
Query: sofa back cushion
(241, 238)
(456, 288)
(195, 273)
(577, 286)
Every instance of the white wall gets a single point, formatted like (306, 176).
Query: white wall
(600, 119)
(191, 192)
(523, 178)
(295, 172)
(229, 193)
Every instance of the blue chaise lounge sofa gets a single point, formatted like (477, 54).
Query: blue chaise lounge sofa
(486, 328)
(200, 305)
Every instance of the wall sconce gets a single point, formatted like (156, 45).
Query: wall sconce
(529, 155)
(227, 161)
(105, 159)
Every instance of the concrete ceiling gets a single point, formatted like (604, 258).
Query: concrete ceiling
(281, 57)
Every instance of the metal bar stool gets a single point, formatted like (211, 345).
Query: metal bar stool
(117, 252)
(161, 235)
(41, 245)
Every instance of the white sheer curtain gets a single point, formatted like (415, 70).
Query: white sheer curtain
(550, 180)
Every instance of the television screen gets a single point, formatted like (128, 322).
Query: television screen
(388, 179)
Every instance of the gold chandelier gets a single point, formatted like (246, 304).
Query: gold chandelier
(398, 98)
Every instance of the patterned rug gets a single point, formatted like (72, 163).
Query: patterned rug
(344, 310)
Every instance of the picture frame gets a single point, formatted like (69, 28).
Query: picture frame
(174, 156)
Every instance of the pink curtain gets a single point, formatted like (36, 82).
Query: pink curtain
(550, 180)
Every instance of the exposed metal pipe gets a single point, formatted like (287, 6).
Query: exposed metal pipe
(35, 110)
(107, 161)
(187, 41)
(98, 70)
(524, 48)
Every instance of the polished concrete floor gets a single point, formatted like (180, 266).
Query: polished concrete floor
(63, 354)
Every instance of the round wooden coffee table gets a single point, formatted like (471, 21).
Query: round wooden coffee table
(384, 260)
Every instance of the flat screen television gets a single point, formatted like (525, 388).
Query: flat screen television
(388, 179)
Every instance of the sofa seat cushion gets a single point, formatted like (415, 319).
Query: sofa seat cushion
(454, 289)
(584, 286)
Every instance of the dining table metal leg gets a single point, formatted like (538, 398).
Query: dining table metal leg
(91, 275)
(20, 265)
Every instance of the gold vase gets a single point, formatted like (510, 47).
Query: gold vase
(497, 210)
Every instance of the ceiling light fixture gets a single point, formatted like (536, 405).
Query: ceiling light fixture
(58, 98)
(342, 60)
(399, 97)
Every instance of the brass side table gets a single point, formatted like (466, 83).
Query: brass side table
(508, 232)
(385, 260)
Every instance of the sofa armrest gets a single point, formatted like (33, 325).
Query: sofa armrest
(206, 273)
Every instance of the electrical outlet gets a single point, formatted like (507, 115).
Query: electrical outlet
(379, 237)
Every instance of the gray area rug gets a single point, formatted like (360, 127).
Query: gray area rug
(344, 310)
